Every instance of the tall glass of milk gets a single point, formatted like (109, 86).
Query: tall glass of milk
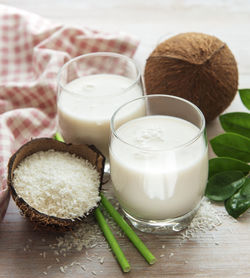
(159, 162)
(90, 88)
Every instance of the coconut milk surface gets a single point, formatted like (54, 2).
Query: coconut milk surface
(157, 180)
(87, 104)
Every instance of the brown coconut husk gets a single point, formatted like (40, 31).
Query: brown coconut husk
(41, 220)
(195, 66)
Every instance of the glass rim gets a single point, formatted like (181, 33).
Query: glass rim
(92, 54)
(180, 146)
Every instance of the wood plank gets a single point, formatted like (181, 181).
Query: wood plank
(223, 251)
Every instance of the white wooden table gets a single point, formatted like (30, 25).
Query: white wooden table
(221, 252)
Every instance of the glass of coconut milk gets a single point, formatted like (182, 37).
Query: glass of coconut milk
(159, 162)
(90, 88)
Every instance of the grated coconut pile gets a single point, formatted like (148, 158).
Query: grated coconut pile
(57, 183)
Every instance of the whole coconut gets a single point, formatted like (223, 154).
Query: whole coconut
(195, 66)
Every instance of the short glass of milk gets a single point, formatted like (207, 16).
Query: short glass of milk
(159, 162)
(90, 88)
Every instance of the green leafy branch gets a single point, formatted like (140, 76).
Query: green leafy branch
(229, 180)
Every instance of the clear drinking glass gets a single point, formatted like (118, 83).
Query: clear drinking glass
(159, 162)
(90, 88)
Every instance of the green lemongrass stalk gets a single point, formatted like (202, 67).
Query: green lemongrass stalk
(112, 241)
(128, 231)
(58, 137)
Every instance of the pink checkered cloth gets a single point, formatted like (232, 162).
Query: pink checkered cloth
(32, 49)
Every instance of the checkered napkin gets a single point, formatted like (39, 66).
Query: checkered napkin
(32, 49)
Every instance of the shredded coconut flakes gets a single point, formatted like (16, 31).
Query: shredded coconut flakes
(88, 235)
(206, 219)
(57, 183)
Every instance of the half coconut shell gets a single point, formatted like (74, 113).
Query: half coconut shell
(41, 220)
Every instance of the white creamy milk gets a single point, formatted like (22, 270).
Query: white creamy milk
(87, 103)
(157, 179)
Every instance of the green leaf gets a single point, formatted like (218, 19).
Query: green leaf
(245, 97)
(240, 201)
(232, 145)
(221, 164)
(238, 122)
(223, 185)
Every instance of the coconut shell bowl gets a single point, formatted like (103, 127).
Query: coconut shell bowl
(41, 220)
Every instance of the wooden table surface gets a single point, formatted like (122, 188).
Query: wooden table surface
(223, 250)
